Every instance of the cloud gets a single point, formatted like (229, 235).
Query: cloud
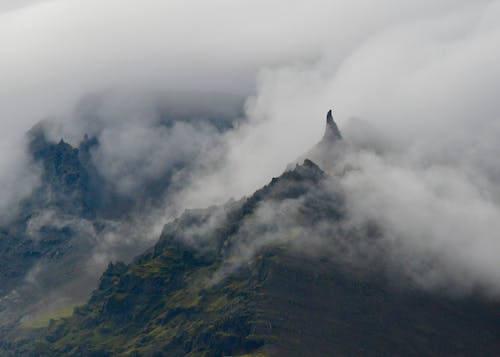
(12, 5)
(52, 57)
(17, 179)
(423, 75)
(425, 87)
(429, 229)
(438, 227)
(428, 84)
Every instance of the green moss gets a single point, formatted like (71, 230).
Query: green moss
(218, 303)
(43, 320)
(166, 301)
(148, 268)
(185, 299)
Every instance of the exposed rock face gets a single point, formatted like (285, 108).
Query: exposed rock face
(332, 132)
(330, 149)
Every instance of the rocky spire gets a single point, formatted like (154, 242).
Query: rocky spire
(332, 132)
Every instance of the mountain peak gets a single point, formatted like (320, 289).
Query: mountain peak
(332, 132)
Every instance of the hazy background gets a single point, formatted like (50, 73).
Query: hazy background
(421, 77)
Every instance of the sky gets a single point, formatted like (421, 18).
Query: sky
(413, 84)
(12, 5)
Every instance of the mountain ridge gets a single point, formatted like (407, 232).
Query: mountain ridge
(257, 276)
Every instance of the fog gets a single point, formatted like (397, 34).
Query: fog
(420, 77)
(428, 85)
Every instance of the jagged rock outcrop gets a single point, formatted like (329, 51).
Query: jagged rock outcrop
(332, 132)
(330, 149)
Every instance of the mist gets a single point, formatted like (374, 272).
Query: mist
(418, 104)
(420, 78)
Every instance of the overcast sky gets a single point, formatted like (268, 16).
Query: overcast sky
(55, 51)
(10, 5)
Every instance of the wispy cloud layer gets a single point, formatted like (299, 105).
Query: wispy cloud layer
(422, 79)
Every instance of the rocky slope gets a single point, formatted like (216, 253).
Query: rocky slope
(256, 277)
(48, 248)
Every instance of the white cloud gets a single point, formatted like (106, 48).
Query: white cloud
(425, 74)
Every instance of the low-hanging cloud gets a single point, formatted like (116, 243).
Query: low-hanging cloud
(426, 88)
(439, 227)
(428, 84)
(423, 75)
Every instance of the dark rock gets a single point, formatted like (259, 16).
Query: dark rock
(332, 132)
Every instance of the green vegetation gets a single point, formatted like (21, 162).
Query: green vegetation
(43, 320)
(196, 299)
(176, 299)
(162, 303)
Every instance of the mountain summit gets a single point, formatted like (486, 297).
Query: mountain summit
(332, 132)
(331, 147)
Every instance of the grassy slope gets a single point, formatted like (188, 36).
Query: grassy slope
(162, 303)
(283, 305)
(43, 320)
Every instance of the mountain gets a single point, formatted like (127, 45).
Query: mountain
(54, 230)
(332, 132)
(56, 245)
(267, 275)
